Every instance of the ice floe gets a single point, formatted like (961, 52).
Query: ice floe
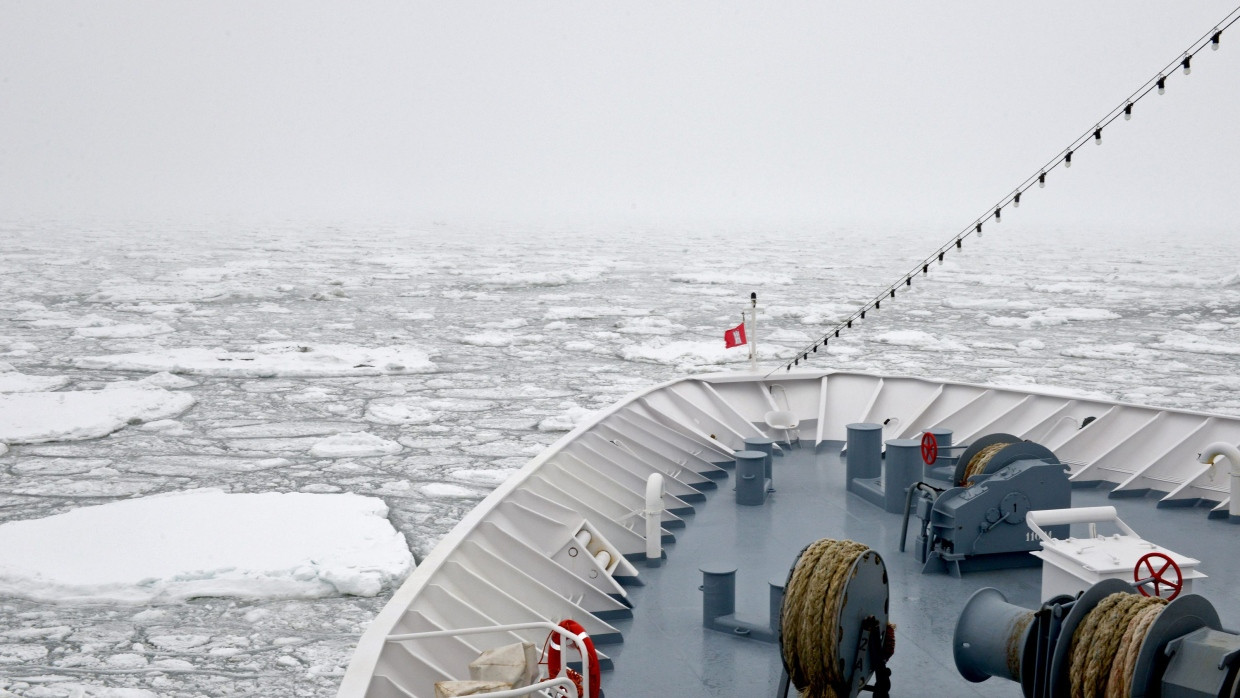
(55, 319)
(270, 430)
(1053, 316)
(1187, 342)
(920, 340)
(648, 325)
(573, 415)
(558, 277)
(13, 382)
(84, 414)
(589, 313)
(129, 291)
(734, 277)
(127, 331)
(397, 411)
(287, 359)
(354, 444)
(447, 490)
(1122, 351)
(179, 546)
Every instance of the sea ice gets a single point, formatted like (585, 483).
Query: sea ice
(573, 415)
(125, 331)
(287, 359)
(1184, 341)
(354, 444)
(731, 277)
(399, 411)
(686, 354)
(920, 340)
(84, 414)
(173, 547)
(1053, 316)
(561, 277)
(14, 382)
(648, 325)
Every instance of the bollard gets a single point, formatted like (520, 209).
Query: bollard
(944, 439)
(751, 481)
(865, 452)
(902, 469)
(776, 603)
(718, 593)
(765, 445)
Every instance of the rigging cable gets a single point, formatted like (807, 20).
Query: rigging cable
(1211, 38)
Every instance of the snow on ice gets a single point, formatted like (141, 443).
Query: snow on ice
(354, 444)
(199, 543)
(286, 359)
(84, 414)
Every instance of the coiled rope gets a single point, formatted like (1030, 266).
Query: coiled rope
(1106, 644)
(810, 621)
(979, 461)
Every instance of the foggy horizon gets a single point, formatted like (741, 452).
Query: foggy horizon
(550, 115)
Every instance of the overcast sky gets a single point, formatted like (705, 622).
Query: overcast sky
(904, 114)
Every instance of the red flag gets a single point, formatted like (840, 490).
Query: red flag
(735, 336)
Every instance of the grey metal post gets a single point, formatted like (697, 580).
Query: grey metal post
(767, 446)
(776, 602)
(903, 468)
(751, 481)
(865, 451)
(718, 593)
(943, 437)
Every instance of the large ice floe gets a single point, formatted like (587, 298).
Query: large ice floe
(172, 547)
(282, 359)
(13, 382)
(354, 444)
(35, 417)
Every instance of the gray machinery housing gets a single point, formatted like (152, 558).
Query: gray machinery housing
(1186, 652)
(980, 523)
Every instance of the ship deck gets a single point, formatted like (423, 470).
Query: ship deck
(667, 652)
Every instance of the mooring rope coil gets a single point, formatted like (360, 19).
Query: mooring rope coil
(979, 461)
(810, 634)
(1105, 646)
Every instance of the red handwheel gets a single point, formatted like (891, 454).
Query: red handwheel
(929, 448)
(590, 662)
(1146, 573)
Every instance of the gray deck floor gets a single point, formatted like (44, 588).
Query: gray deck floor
(667, 652)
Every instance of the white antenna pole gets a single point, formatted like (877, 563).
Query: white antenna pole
(751, 332)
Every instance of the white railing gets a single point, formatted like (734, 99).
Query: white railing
(561, 680)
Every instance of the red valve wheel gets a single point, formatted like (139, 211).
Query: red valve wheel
(929, 448)
(1146, 573)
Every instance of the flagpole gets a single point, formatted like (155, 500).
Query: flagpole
(751, 332)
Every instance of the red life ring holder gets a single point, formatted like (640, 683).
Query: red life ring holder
(591, 660)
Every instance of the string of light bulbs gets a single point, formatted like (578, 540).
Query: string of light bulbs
(1211, 38)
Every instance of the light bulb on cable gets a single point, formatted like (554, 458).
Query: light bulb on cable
(1214, 40)
(1042, 180)
(1098, 136)
(1162, 85)
(1188, 69)
(1016, 200)
(1067, 160)
(1128, 112)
